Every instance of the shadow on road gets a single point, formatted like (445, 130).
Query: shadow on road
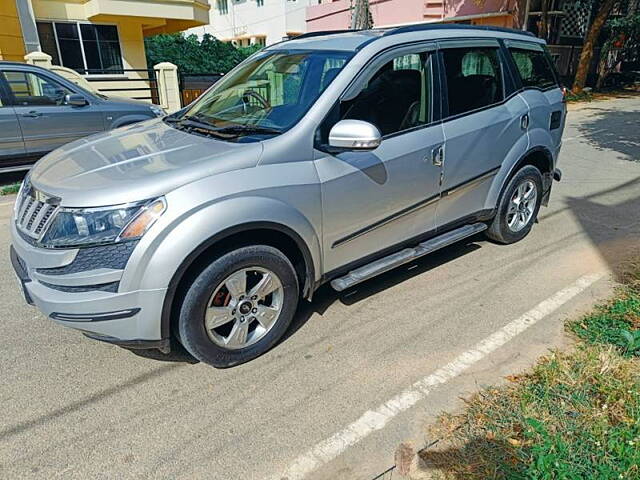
(89, 400)
(11, 177)
(614, 130)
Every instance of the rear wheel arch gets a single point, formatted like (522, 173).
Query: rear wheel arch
(272, 234)
(539, 157)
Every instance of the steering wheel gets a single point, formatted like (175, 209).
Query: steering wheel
(248, 94)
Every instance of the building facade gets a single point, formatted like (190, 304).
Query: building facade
(93, 37)
(255, 22)
(336, 14)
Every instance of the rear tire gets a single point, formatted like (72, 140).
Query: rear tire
(239, 306)
(518, 207)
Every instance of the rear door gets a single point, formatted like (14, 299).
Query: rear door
(47, 122)
(482, 124)
(12, 149)
(541, 91)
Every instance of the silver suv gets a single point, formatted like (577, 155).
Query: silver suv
(333, 157)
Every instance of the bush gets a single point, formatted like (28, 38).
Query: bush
(193, 55)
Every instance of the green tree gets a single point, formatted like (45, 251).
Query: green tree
(623, 43)
(603, 10)
(192, 55)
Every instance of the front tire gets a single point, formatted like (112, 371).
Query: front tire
(239, 306)
(518, 207)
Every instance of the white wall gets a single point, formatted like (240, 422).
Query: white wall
(247, 22)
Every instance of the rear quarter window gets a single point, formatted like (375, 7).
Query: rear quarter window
(534, 68)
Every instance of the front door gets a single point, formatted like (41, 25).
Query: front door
(47, 122)
(377, 199)
(482, 124)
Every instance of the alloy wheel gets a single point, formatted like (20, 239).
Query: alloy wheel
(244, 308)
(522, 205)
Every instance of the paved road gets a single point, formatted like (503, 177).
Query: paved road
(73, 408)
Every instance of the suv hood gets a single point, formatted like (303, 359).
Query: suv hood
(135, 163)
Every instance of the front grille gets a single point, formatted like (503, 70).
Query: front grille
(34, 215)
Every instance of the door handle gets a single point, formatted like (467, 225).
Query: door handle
(437, 156)
(32, 114)
(524, 121)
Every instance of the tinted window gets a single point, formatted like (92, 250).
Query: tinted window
(101, 48)
(396, 97)
(534, 68)
(32, 89)
(474, 78)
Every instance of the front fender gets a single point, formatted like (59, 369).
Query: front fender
(157, 258)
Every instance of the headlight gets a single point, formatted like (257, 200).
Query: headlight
(157, 110)
(76, 227)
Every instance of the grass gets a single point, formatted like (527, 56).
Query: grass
(576, 415)
(579, 97)
(10, 189)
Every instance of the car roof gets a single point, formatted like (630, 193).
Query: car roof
(354, 40)
(7, 63)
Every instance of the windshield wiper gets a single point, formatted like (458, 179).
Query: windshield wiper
(240, 129)
(191, 123)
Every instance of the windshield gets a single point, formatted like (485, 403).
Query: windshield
(268, 94)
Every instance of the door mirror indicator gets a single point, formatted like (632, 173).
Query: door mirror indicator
(355, 135)
(75, 100)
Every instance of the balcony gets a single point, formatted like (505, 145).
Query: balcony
(155, 16)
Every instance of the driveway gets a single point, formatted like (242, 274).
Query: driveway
(75, 408)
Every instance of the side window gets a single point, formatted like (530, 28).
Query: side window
(32, 89)
(534, 68)
(396, 97)
(474, 78)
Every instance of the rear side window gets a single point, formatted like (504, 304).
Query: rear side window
(534, 68)
(474, 78)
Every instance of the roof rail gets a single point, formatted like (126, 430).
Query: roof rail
(448, 26)
(323, 32)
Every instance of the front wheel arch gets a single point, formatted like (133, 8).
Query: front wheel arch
(264, 233)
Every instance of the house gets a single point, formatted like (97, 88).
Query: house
(256, 22)
(102, 40)
(336, 14)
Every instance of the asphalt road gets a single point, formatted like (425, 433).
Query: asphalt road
(73, 408)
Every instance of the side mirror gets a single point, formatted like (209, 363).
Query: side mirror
(355, 135)
(75, 100)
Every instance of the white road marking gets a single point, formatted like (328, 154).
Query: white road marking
(6, 204)
(377, 419)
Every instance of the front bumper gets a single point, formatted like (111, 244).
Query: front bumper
(128, 318)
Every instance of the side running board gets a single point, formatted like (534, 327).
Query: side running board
(404, 256)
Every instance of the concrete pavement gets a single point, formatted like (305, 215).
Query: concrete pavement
(74, 408)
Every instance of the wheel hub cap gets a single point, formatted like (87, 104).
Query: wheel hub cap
(245, 308)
